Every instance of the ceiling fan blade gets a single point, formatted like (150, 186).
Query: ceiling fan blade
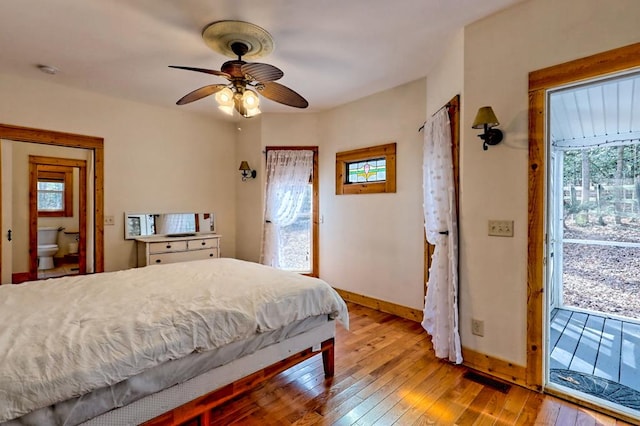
(200, 93)
(282, 94)
(261, 72)
(204, 70)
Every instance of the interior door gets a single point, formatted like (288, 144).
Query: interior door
(7, 258)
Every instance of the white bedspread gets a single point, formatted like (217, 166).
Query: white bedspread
(65, 337)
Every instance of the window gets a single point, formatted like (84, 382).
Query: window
(374, 170)
(55, 191)
(291, 210)
(366, 170)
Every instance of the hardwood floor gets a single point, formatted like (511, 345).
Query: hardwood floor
(386, 374)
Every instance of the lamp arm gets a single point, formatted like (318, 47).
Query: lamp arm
(491, 136)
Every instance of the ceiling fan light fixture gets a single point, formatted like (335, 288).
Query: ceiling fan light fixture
(250, 99)
(252, 112)
(245, 79)
(225, 97)
(227, 109)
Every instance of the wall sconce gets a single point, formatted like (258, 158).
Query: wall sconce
(487, 119)
(247, 172)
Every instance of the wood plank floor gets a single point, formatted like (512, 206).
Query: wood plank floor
(386, 374)
(596, 345)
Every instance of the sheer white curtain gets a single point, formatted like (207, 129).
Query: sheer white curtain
(441, 302)
(288, 174)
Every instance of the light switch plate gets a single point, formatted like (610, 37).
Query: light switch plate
(501, 228)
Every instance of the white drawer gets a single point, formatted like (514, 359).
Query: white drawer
(203, 244)
(167, 246)
(182, 256)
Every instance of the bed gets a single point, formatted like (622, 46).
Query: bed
(159, 344)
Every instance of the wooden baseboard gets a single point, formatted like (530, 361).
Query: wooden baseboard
(496, 367)
(20, 277)
(381, 305)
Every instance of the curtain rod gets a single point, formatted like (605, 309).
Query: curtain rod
(447, 105)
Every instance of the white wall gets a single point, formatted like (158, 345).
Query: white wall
(499, 52)
(249, 194)
(446, 79)
(372, 244)
(156, 159)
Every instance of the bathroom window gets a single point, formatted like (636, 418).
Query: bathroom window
(55, 191)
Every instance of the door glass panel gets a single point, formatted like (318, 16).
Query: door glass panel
(594, 242)
(295, 239)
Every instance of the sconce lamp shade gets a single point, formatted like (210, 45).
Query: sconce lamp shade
(485, 116)
(244, 166)
(486, 119)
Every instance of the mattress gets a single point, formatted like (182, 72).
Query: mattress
(100, 401)
(67, 337)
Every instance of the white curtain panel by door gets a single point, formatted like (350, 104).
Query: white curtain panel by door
(288, 174)
(441, 302)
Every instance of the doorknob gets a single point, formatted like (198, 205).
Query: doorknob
(9, 235)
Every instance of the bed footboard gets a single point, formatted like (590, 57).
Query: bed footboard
(201, 407)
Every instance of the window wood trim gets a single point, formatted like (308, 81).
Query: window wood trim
(47, 172)
(540, 81)
(387, 151)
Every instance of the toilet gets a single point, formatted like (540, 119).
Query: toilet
(47, 247)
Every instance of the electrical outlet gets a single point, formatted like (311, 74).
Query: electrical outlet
(501, 228)
(477, 327)
(109, 220)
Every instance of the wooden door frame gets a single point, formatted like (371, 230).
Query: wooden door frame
(453, 108)
(540, 82)
(34, 162)
(71, 140)
(315, 213)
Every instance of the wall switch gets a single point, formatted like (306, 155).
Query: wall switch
(477, 327)
(109, 220)
(501, 228)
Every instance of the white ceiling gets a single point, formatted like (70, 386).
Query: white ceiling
(331, 51)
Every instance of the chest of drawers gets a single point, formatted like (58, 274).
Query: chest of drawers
(159, 250)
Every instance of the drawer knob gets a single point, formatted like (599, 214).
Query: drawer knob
(158, 260)
(204, 243)
(210, 254)
(168, 245)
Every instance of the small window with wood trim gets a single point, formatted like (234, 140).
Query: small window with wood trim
(367, 170)
(55, 191)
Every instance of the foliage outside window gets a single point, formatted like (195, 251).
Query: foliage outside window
(55, 191)
(602, 184)
(367, 170)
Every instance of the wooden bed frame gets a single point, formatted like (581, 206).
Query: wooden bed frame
(198, 411)
(191, 402)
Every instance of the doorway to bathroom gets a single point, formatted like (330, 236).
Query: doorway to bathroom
(57, 216)
(17, 143)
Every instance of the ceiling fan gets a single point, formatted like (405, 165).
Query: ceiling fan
(246, 79)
